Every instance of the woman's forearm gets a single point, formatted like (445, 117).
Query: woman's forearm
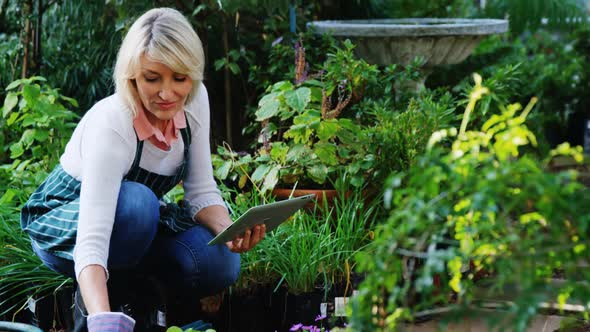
(93, 286)
(214, 217)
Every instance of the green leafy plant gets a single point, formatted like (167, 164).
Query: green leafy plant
(304, 139)
(399, 138)
(552, 67)
(473, 220)
(315, 249)
(36, 113)
(36, 125)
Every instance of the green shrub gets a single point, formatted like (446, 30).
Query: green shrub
(480, 205)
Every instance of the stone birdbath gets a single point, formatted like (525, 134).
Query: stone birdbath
(398, 41)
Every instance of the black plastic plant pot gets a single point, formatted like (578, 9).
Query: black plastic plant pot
(18, 327)
(302, 308)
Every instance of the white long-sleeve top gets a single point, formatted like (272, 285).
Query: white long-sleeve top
(101, 152)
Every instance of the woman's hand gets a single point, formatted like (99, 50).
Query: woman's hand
(215, 218)
(249, 240)
(110, 322)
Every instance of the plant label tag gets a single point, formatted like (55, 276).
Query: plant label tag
(32, 304)
(340, 306)
(323, 309)
(161, 320)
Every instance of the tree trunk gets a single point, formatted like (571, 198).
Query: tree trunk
(227, 78)
(26, 37)
(37, 54)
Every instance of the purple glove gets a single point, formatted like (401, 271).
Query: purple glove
(110, 322)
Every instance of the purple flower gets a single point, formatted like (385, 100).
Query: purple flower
(320, 317)
(296, 327)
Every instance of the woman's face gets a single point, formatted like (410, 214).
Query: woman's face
(162, 92)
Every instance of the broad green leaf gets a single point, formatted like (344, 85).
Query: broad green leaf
(260, 172)
(263, 158)
(279, 152)
(310, 118)
(303, 126)
(234, 54)
(9, 102)
(28, 137)
(16, 150)
(43, 119)
(328, 129)
(40, 135)
(223, 171)
(318, 173)
(296, 152)
(38, 151)
(357, 181)
(368, 162)
(316, 94)
(219, 63)
(12, 119)
(14, 84)
(28, 120)
(35, 79)
(31, 93)
(326, 153)
(353, 168)
(299, 133)
(271, 179)
(267, 110)
(298, 99)
(235, 69)
(267, 98)
(282, 86)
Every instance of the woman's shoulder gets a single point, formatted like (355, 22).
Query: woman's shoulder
(111, 112)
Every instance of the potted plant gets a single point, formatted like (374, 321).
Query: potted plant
(305, 141)
(326, 131)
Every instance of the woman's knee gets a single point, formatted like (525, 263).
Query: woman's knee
(137, 204)
(136, 222)
(209, 272)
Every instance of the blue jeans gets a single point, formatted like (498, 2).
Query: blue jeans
(139, 244)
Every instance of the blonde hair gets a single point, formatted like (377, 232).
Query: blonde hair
(164, 35)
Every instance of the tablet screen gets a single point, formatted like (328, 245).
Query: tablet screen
(271, 214)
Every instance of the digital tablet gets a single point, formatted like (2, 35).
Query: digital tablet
(271, 214)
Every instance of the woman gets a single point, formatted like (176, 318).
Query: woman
(99, 210)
